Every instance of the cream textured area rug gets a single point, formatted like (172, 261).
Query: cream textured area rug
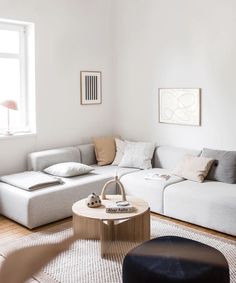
(82, 262)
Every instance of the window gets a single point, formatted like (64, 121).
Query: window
(17, 76)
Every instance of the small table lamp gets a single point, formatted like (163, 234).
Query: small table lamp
(10, 105)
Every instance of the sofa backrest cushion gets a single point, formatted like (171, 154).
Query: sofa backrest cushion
(40, 160)
(87, 153)
(224, 167)
(168, 157)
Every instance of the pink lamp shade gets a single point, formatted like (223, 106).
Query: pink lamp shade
(10, 104)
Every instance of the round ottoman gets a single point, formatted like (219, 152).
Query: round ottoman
(175, 259)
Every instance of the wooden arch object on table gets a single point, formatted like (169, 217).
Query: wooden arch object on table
(120, 185)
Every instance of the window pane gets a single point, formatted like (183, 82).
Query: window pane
(9, 79)
(9, 41)
(15, 121)
(10, 89)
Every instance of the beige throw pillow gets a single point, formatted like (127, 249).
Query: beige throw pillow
(105, 150)
(194, 168)
(120, 150)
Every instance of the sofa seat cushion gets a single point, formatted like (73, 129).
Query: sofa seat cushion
(210, 204)
(149, 190)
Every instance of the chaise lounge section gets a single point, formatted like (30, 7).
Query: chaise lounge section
(42, 206)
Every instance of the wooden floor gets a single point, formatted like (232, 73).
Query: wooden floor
(10, 231)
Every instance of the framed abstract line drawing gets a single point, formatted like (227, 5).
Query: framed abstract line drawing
(180, 106)
(90, 87)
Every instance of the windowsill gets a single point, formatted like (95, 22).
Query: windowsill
(17, 135)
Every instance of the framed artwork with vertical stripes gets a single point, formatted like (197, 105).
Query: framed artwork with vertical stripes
(91, 87)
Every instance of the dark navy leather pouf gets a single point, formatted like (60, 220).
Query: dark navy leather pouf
(175, 259)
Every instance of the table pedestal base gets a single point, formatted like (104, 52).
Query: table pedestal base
(135, 229)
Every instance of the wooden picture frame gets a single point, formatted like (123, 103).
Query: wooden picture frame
(90, 87)
(180, 106)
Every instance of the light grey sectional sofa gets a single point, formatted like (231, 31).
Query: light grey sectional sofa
(210, 204)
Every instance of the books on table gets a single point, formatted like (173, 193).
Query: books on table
(117, 208)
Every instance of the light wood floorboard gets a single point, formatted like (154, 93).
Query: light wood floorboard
(10, 230)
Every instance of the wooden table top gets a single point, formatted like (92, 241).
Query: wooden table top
(80, 208)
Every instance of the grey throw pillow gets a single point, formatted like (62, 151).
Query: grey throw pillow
(224, 167)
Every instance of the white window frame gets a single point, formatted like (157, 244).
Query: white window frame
(26, 58)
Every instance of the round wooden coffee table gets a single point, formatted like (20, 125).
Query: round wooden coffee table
(95, 223)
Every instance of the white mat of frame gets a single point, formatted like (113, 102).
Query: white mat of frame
(82, 262)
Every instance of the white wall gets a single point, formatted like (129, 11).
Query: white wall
(71, 36)
(185, 44)
(140, 46)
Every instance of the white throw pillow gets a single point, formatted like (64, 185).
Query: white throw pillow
(138, 155)
(68, 169)
(193, 168)
(120, 150)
